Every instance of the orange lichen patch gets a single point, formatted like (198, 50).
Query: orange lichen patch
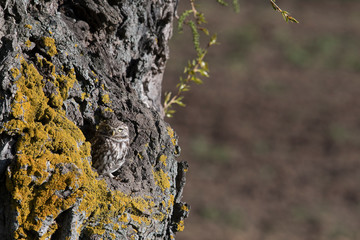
(162, 179)
(162, 159)
(50, 44)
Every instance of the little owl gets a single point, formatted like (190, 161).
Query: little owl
(109, 146)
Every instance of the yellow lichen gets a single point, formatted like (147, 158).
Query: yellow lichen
(140, 219)
(113, 236)
(28, 43)
(124, 218)
(52, 157)
(15, 72)
(56, 100)
(162, 179)
(180, 226)
(171, 200)
(172, 135)
(142, 205)
(159, 216)
(48, 141)
(28, 26)
(105, 98)
(162, 159)
(83, 96)
(50, 44)
(116, 226)
(184, 208)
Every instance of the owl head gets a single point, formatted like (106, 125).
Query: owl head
(113, 128)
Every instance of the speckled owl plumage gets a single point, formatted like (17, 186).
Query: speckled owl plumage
(109, 146)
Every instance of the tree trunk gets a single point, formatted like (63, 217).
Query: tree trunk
(66, 65)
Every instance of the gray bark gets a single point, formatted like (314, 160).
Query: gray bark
(65, 66)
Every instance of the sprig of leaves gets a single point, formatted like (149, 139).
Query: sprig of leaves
(234, 2)
(286, 15)
(196, 68)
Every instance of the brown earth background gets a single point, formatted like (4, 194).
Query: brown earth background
(273, 136)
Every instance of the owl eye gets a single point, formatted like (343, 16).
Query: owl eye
(120, 130)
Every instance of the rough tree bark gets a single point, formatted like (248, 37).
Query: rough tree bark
(64, 66)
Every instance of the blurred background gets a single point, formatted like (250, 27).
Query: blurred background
(273, 136)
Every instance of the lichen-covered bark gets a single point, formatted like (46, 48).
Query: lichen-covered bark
(65, 66)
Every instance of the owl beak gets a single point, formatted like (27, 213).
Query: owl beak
(113, 132)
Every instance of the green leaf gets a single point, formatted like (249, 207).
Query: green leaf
(167, 97)
(222, 2)
(196, 80)
(183, 87)
(181, 104)
(236, 5)
(213, 40)
(200, 18)
(202, 64)
(182, 19)
(205, 30)
(293, 19)
(203, 73)
(169, 113)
